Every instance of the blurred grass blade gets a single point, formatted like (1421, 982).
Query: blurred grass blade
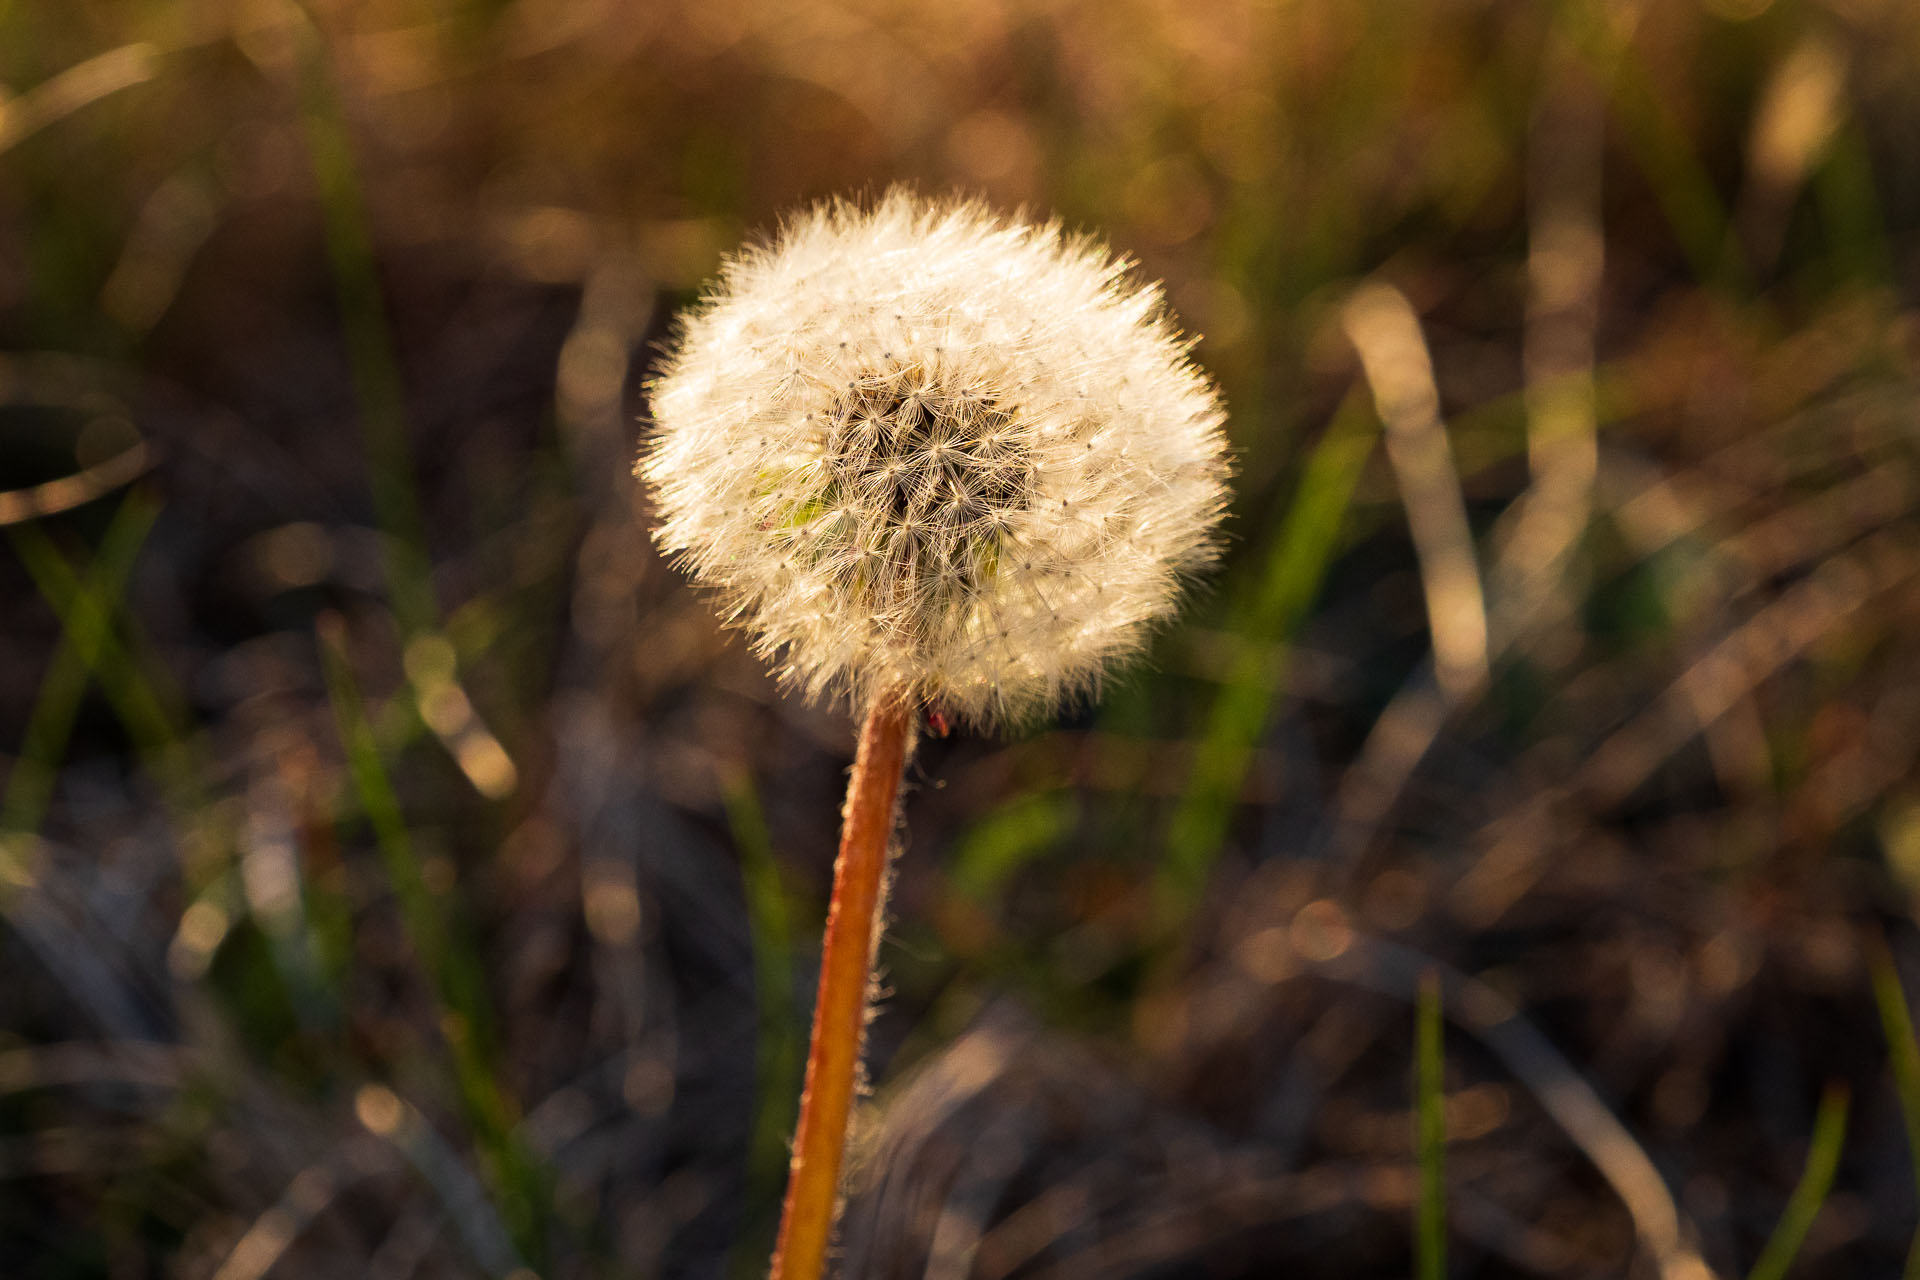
(381, 804)
(1391, 341)
(1568, 1099)
(78, 86)
(309, 1194)
(385, 428)
(78, 489)
(1850, 210)
(1430, 1233)
(57, 702)
(1903, 1053)
(1675, 176)
(106, 642)
(998, 845)
(1296, 565)
(780, 1034)
(386, 1115)
(1823, 1158)
(152, 711)
(443, 705)
(452, 969)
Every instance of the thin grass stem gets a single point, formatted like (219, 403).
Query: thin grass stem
(450, 964)
(1816, 1179)
(778, 1050)
(1430, 1131)
(1903, 1053)
(152, 711)
(371, 359)
(1298, 558)
(56, 706)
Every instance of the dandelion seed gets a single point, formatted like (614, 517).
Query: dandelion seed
(1058, 400)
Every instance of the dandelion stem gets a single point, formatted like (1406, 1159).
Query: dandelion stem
(840, 1014)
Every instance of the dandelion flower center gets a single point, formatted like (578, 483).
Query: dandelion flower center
(920, 485)
(920, 450)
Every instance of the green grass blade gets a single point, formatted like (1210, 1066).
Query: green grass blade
(150, 708)
(1903, 1053)
(377, 384)
(56, 704)
(1675, 175)
(103, 641)
(1856, 231)
(1823, 1158)
(781, 1035)
(452, 969)
(1430, 1136)
(1296, 565)
(381, 803)
(1903, 1050)
(386, 427)
(998, 845)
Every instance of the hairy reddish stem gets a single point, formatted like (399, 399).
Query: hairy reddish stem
(840, 1014)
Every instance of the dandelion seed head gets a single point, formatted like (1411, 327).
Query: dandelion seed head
(917, 448)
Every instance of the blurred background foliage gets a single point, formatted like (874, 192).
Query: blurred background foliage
(403, 875)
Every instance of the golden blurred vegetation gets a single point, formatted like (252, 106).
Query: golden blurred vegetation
(403, 875)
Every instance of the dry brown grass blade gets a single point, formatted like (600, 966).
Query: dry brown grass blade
(1728, 672)
(1324, 940)
(76, 87)
(1566, 257)
(307, 1196)
(1383, 328)
(132, 1062)
(78, 489)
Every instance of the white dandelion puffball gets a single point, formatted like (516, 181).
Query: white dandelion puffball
(924, 451)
